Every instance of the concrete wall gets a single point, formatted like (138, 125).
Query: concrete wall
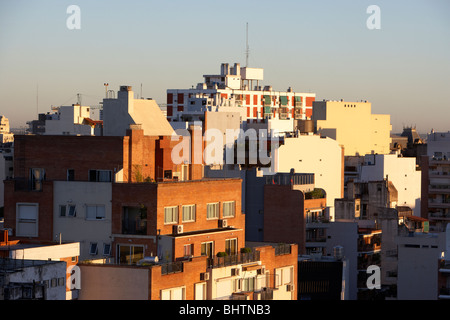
(51, 272)
(313, 154)
(401, 172)
(79, 228)
(359, 130)
(103, 282)
(418, 266)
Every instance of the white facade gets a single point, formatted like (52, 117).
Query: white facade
(82, 213)
(418, 258)
(51, 273)
(70, 120)
(438, 145)
(5, 134)
(401, 171)
(120, 113)
(237, 88)
(314, 154)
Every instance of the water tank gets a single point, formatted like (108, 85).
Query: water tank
(148, 260)
(338, 252)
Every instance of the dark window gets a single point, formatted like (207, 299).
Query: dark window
(70, 174)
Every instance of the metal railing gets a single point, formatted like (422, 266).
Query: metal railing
(173, 267)
(218, 262)
(282, 249)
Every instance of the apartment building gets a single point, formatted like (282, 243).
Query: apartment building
(353, 125)
(15, 252)
(295, 212)
(322, 156)
(436, 180)
(237, 89)
(64, 184)
(401, 171)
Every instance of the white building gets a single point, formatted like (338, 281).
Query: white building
(5, 133)
(401, 171)
(237, 89)
(121, 112)
(418, 256)
(73, 120)
(314, 154)
(82, 213)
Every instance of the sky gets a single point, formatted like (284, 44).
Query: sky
(324, 47)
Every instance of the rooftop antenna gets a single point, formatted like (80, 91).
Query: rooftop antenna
(79, 99)
(247, 50)
(37, 99)
(106, 89)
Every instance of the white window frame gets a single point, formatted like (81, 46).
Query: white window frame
(97, 217)
(24, 220)
(174, 215)
(170, 292)
(225, 214)
(216, 211)
(190, 212)
(74, 214)
(107, 252)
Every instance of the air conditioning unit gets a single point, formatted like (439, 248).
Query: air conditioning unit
(235, 271)
(204, 276)
(223, 223)
(178, 229)
(289, 287)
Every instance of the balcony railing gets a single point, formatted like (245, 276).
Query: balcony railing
(173, 267)
(231, 260)
(282, 249)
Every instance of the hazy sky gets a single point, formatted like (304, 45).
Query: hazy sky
(323, 47)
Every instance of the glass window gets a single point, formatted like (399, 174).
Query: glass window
(93, 249)
(231, 246)
(62, 211)
(72, 210)
(212, 210)
(228, 209)
(37, 175)
(95, 212)
(171, 215)
(188, 213)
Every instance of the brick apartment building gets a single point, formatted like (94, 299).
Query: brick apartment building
(125, 192)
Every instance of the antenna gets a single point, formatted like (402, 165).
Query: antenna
(37, 100)
(79, 99)
(247, 50)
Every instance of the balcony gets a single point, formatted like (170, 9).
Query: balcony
(231, 260)
(173, 267)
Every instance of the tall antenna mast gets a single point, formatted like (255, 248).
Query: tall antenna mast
(247, 48)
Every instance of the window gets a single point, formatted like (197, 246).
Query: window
(62, 211)
(37, 175)
(207, 249)
(93, 248)
(188, 213)
(100, 175)
(283, 276)
(174, 294)
(129, 254)
(27, 219)
(72, 210)
(170, 215)
(212, 210)
(248, 284)
(95, 212)
(70, 174)
(167, 174)
(231, 246)
(188, 250)
(228, 209)
(106, 249)
(134, 220)
(200, 291)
